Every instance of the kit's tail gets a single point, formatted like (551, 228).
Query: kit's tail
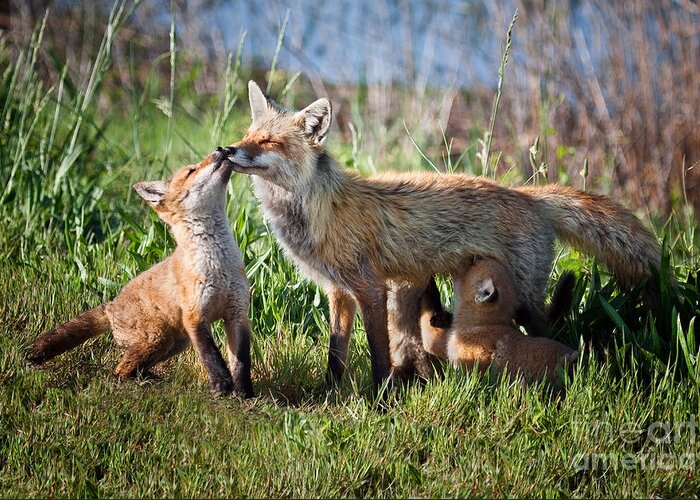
(68, 335)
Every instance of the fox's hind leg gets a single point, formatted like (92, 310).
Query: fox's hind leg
(562, 298)
(136, 362)
(530, 261)
(537, 319)
(532, 318)
(408, 355)
(140, 357)
(238, 335)
(342, 312)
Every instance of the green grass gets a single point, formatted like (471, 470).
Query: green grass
(72, 235)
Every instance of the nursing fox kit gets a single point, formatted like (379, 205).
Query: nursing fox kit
(482, 333)
(166, 308)
(354, 235)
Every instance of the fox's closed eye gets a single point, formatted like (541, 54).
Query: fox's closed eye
(269, 142)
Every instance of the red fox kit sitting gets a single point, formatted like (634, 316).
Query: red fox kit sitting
(164, 309)
(482, 329)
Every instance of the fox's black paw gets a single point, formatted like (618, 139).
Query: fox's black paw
(222, 387)
(244, 390)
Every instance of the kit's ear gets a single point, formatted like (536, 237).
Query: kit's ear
(152, 192)
(259, 103)
(486, 292)
(315, 119)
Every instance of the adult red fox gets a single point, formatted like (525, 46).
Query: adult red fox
(164, 309)
(354, 235)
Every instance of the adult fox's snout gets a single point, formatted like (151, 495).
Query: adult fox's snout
(228, 151)
(221, 154)
(242, 161)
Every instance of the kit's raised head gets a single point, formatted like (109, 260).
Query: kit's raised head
(194, 191)
(282, 146)
(485, 294)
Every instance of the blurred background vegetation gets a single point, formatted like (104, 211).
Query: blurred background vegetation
(596, 93)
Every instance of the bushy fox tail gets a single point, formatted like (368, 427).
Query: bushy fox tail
(69, 335)
(601, 227)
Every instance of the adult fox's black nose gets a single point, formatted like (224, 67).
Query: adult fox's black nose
(228, 150)
(224, 153)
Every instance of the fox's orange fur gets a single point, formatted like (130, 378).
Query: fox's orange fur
(355, 235)
(171, 305)
(482, 332)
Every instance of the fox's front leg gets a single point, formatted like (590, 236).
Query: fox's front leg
(219, 375)
(238, 336)
(373, 307)
(342, 312)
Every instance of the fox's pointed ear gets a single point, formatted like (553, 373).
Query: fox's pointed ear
(486, 292)
(152, 192)
(259, 103)
(315, 119)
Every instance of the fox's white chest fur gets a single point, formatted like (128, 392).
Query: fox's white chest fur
(218, 264)
(289, 215)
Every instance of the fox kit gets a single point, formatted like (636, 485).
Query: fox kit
(411, 346)
(482, 330)
(354, 235)
(164, 309)
(434, 319)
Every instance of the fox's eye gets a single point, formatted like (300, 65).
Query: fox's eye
(268, 142)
